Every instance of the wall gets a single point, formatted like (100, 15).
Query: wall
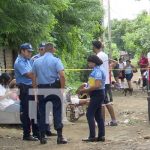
(8, 60)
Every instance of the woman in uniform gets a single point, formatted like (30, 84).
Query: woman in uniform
(95, 89)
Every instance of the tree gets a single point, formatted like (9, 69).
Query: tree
(119, 29)
(27, 20)
(138, 40)
(132, 35)
(70, 24)
(77, 27)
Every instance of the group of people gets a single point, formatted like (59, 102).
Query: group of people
(45, 71)
(144, 69)
(122, 70)
(99, 89)
(41, 71)
(125, 70)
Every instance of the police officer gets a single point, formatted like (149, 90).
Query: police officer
(96, 86)
(49, 73)
(41, 53)
(24, 75)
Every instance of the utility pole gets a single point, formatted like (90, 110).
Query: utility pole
(109, 30)
(102, 21)
(109, 26)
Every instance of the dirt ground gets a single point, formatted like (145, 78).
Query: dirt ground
(132, 132)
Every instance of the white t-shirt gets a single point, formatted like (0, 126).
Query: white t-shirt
(4, 103)
(104, 57)
(148, 57)
(121, 65)
(2, 90)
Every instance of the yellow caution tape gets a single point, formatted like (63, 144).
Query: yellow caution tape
(6, 69)
(77, 69)
(9, 69)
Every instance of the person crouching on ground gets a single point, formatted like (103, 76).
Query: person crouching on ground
(96, 90)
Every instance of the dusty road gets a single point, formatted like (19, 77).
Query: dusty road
(130, 134)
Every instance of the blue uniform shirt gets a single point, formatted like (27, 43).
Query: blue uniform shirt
(34, 58)
(46, 68)
(22, 66)
(98, 73)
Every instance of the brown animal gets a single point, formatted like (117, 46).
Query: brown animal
(137, 83)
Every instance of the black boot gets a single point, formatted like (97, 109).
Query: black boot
(29, 138)
(36, 135)
(101, 139)
(60, 138)
(43, 140)
(49, 133)
(89, 139)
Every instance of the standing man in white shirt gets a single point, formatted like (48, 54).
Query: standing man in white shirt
(98, 49)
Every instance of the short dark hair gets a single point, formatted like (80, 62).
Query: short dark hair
(4, 78)
(97, 44)
(95, 59)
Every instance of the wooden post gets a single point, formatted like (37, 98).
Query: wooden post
(4, 55)
(109, 30)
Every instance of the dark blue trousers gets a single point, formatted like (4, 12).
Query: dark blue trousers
(27, 123)
(57, 110)
(94, 113)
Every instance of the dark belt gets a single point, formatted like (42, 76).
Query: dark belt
(25, 85)
(56, 84)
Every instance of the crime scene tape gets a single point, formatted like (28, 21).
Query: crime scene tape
(72, 69)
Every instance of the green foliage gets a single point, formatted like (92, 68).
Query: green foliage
(119, 29)
(132, 35)
(77, 27)
(115, 51)
(24, 21)
(28, 20)
(138, 40)
(70, 24)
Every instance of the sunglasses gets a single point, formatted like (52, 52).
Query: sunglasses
(41, 49)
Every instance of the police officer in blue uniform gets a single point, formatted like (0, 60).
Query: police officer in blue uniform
(24, 75)
(49, 73)
(41, 53)
(96, 86)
